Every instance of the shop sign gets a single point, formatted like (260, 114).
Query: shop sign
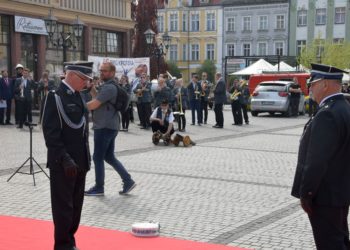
(30, 25)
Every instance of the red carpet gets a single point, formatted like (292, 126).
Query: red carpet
(29, 234)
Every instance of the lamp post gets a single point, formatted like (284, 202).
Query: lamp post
(60, 37)
(159, 50)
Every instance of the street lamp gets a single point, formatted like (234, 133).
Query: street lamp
(63, 38)
(159, 50)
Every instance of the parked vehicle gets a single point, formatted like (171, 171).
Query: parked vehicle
(301, 78)
(274, 97)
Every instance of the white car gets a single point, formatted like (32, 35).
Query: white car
(274, 97)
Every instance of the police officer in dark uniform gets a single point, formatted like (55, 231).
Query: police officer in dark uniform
(65, 128)
(322, 175)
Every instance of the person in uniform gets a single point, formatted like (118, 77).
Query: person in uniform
(322, 175)
(143, 92)
(295, 92)
(236, 107)
(194, 90)
(23, 95)
(219, 100)
(244, 100)
(65, 128)
(180, 106)
(162, 119)
(205, 84)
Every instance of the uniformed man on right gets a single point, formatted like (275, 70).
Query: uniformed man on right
(322, 178)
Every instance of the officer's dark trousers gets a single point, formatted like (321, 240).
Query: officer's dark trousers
(145, 114)
(237, 112)
(330, 227)
(219, 116)
(67, 195)
(294, 103)
(204, 110)
(24, 111)
(163, 129)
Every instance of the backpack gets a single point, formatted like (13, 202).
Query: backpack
(122, 99)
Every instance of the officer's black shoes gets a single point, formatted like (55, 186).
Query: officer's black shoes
(127, 187)
(94, 191)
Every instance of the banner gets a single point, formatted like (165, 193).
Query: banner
(131, 67)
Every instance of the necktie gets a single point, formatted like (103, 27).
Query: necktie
(7, 81)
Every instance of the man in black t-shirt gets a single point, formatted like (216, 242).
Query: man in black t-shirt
(295, 91)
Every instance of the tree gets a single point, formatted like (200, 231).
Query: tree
(326, 52)
(145, 14)
(173, 69)
(209, 67)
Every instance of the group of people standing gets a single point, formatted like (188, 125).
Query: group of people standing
(20, 89)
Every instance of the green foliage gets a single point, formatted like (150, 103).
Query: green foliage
(173, 69)
(326, 52)
(209, 67)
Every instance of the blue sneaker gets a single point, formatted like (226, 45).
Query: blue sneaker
(127, 187)
(94, 191)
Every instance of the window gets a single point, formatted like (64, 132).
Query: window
(4, 42)
(184, 22)
(302, 18)
(211, 21)
(230, 49)
(338, 41)
(246, 23)
(184, 52)
(106, 43)
(195, 52)
(195, 22)
(279, 48)
(246, 49)
(210, 52)
(173, 22)
(173, 52)
(280, 22)
(263, 23)
(262, 48)
(160, 23)
(320, 16)
(339, 15)
(301, 44)
(231, 24)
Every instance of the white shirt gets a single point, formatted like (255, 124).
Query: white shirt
(171, 115)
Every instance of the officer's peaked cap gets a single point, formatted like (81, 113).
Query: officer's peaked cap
(84, 68)
(321, 71)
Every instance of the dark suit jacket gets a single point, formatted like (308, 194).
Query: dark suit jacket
(191, 94)
(220, 92)
(27, 93)
(6, 92)
(62, 141)
(323, 168)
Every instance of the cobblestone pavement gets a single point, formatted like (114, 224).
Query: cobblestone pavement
(232, 188)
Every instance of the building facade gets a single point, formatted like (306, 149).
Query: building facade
(254, 28)
(23, 37)
(196, 28)
(321, 20)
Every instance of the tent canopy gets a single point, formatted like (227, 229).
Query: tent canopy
(256, 68)
(283, 67)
